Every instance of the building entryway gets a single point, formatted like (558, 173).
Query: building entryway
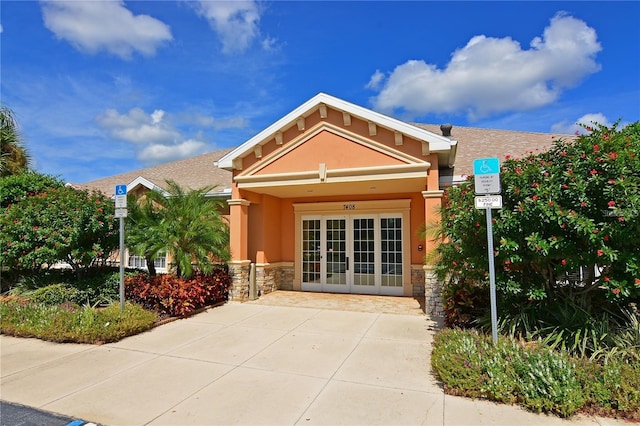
(343, 302)
(353, 253)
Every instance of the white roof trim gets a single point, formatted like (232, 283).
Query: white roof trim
(437, 142)
(147, 184)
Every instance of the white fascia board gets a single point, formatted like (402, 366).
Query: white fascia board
(146, 183)
(225, 193)
(437, 142)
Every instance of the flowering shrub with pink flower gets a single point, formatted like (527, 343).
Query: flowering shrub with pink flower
(57, 225)
(569, 228)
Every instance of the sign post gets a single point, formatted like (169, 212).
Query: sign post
(121, 212)
(487, 181)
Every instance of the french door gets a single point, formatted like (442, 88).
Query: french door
(353, 254)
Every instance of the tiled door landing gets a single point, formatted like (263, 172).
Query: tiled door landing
(343, 302)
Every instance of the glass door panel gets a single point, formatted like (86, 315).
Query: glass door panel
(336, 253)
(364, 252)
(311, 251)
(391, 252)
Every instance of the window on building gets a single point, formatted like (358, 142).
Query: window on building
(138, 262)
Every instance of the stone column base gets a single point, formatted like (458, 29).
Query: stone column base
(269, 277)
(432, 294)
(239, 271)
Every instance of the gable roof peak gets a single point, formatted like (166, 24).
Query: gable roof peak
(436, 141)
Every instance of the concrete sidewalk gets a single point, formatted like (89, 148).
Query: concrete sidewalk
(253, 364)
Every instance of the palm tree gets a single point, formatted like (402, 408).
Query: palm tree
(191, 228)
(142, 230)
(14, 157)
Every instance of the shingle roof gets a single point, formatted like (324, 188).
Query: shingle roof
(475, 143)
(195, 173)
(200, 171)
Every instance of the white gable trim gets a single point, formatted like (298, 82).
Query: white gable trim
(140, 181)
(437, 143)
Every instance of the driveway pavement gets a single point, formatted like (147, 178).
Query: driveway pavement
(253, 363)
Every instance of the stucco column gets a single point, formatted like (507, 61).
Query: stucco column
(239, 264)
(432, 200)
(432, 288)
(239, 228)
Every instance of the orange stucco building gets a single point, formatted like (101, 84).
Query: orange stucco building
(332, 198)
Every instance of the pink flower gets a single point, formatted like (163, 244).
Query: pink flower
(593, 172)
(564, 262)
(613, 155)
(600, 253)
(596, 148)
(611, 203)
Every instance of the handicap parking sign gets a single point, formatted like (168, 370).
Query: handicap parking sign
(121, 189)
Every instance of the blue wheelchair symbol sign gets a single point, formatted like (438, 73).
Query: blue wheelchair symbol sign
(486, 166)
(121, 189)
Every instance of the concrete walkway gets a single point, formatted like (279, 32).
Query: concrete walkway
(253, 363)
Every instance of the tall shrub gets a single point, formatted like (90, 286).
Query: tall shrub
(573, 208)
(59, 224)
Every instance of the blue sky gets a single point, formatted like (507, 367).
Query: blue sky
(105, 87)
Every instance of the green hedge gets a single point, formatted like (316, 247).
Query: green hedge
(72, 323)
(534, 376)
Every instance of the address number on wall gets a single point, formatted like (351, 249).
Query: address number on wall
(348, 206)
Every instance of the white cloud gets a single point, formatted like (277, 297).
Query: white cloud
(375, 81)
(567, 128)
(217, 123)
(270, 43)
(493, 75)
(235, 22)
(157, 139)
(92, 26)
(158, 153)
(139, 127)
